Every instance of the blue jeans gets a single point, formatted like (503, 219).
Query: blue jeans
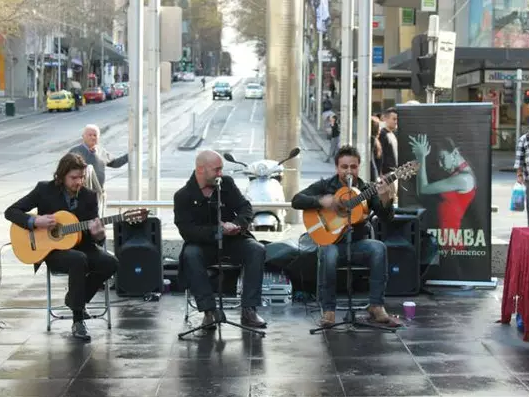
(369, 253)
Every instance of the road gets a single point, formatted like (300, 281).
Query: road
(31, 147)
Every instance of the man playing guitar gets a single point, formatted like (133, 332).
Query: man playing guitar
(88, 265)
(364, 251)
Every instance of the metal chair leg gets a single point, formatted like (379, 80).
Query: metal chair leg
(107, 305)
(186, 313)
(48, 298)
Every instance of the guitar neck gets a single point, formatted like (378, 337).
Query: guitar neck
(84, 225)
(369, 192)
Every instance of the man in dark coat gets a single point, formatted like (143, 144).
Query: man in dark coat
(195, 210)
(88, 265)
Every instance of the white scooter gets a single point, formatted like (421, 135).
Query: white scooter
(265, 186)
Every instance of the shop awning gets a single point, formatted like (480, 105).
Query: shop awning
(473, 58)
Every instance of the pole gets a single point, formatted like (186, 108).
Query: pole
(518, 103)
(59, 67)
(365, 73)
(346, 78)
(135, 23)
(154, 101)
(319, 81)
(433, 35)
(35, 77)
(102, 59)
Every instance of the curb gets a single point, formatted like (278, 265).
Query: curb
(22, 116)
(315, 136)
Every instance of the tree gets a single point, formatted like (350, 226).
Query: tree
(12, 12)
(249, 19)
(205, 26)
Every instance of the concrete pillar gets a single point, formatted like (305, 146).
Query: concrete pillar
(283, 78)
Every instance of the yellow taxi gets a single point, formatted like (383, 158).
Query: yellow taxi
(61, 100)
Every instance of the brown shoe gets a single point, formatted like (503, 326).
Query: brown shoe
(378, 314)
(209, 319)
(327, 319)
(250, 318)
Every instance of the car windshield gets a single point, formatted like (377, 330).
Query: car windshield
(222, 85)
(58, 96)
(253, 86)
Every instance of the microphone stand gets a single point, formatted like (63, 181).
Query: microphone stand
(219, 315)
(350, 317)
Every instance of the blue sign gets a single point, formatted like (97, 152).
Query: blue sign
(378, 54)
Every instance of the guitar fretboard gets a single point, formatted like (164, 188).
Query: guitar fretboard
(84, 225)
(369, 192)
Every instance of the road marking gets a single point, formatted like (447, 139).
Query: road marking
(226, 122)
(252, 137)
(254, 108)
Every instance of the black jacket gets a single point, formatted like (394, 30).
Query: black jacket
(195, 215)
(389, 161)
(48, 198)
(309, 199)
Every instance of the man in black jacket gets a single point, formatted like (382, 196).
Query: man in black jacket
(195, 211)
(88, 265)
(364, 251)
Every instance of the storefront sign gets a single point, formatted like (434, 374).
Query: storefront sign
(501, 76)
(455, 151)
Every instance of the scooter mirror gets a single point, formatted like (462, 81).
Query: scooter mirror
(293, 153)
(229, 157)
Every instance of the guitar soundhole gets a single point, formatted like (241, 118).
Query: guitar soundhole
(55, 233)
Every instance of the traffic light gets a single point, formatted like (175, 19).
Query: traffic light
(509, 92)
(422, 65)
(526, 96)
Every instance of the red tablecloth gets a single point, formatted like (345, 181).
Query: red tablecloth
(517, 279)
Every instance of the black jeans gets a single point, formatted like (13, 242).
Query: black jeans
(247, 252)
(87, 270)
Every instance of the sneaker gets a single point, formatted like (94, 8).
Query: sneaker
(79, 331)
(209, 318)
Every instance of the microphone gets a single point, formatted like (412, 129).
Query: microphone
(218, 181)
(349, 181)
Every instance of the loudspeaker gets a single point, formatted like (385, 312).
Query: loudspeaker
(404, 278)
(138, 248)
(402, 237)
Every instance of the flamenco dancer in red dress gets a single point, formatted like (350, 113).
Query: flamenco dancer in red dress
(456, 191)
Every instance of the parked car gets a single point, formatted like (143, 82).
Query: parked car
(94, 94)
(110, 92)
(189, 76)
(62, 100)
(120, 90)
(254, 90)
(222, 89)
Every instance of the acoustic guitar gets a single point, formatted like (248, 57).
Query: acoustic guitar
(32, 246)
(326, 226)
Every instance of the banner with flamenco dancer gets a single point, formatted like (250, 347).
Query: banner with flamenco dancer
(452, 143)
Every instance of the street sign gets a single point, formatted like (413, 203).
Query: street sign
(444, 64)
(428, 5)
(378, 55)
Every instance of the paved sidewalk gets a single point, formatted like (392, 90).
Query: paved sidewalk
(23, 108)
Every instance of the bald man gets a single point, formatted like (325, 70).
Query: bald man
(195, 212)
